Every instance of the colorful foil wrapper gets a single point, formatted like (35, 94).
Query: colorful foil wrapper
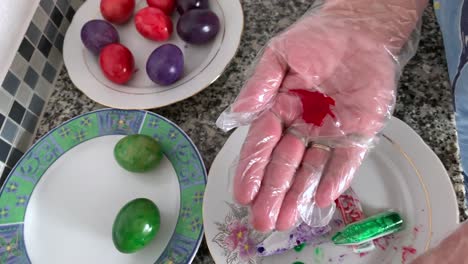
(369, 229)
(280, 242)
(350, 209)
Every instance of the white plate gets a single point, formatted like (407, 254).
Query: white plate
(203, 63)
(401, 173)
(59, 202)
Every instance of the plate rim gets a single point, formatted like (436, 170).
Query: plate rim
(143, 114)
(398, 125)
(103, 99)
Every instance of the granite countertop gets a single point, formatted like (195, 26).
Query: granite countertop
(424, 99)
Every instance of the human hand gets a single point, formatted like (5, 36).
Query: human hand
(452, 250)
(319, 95)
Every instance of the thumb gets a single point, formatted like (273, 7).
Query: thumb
(257, 93)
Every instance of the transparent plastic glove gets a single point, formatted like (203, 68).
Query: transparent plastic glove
(319, 94)
(452, 250)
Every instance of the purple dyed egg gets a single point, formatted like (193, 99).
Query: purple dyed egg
(165, 65)
(186, 5)
(198, 26)
(96, 34)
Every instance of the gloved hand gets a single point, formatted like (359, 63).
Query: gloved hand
(319, 95)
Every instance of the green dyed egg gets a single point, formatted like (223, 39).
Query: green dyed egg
(138, 153)
(136, 225)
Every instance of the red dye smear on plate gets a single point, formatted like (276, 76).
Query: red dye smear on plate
(416, 231)
(315, 106)
(382, 243)
(406, 252)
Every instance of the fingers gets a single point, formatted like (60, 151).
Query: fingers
(264, 134)
(287, 107)
(278, 178)
(338, 174)
(303, 188)
(263, 85)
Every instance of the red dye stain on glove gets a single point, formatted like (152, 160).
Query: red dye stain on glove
(315, 106)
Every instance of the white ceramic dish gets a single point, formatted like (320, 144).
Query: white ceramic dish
(59, 202)
(203, 63)
(401, 173)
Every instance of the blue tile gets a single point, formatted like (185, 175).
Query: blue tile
(31, 77)
(17, 112)
(29, 122)
(4, 150)
(70, 14)
(56, 17)
(47, 5)
(5, 173)
(36, 105)
(63, 5)
(15, 155)
(33, 33)
(59, 42)
(44, 46)
(11, 83)
(26, 49)
(9, 131)
(49, 72)
(50, 31)
(2, 119)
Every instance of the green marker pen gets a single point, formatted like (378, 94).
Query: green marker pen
(369, 229)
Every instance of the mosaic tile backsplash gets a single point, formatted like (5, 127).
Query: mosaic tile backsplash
(29, 80)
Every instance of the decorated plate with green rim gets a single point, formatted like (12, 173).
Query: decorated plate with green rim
(59, 202)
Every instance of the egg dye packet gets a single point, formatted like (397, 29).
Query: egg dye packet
(349, 207)
(349, 210)
(242, 244)
(280, 242)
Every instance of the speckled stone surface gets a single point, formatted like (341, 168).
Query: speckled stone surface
(424, 100)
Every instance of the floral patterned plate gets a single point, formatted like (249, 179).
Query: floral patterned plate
(59, 202)
(401, 173)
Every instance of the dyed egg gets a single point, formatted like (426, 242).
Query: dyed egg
(186, 5)
(117, 63)
(138, 153)
(96, 34)
(152, 23)
(136, 225)
(198, 26)
(165, 65)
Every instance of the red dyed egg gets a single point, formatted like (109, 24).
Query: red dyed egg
(117, 11)
(153, 24)
(117, 63)
(167, 6)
